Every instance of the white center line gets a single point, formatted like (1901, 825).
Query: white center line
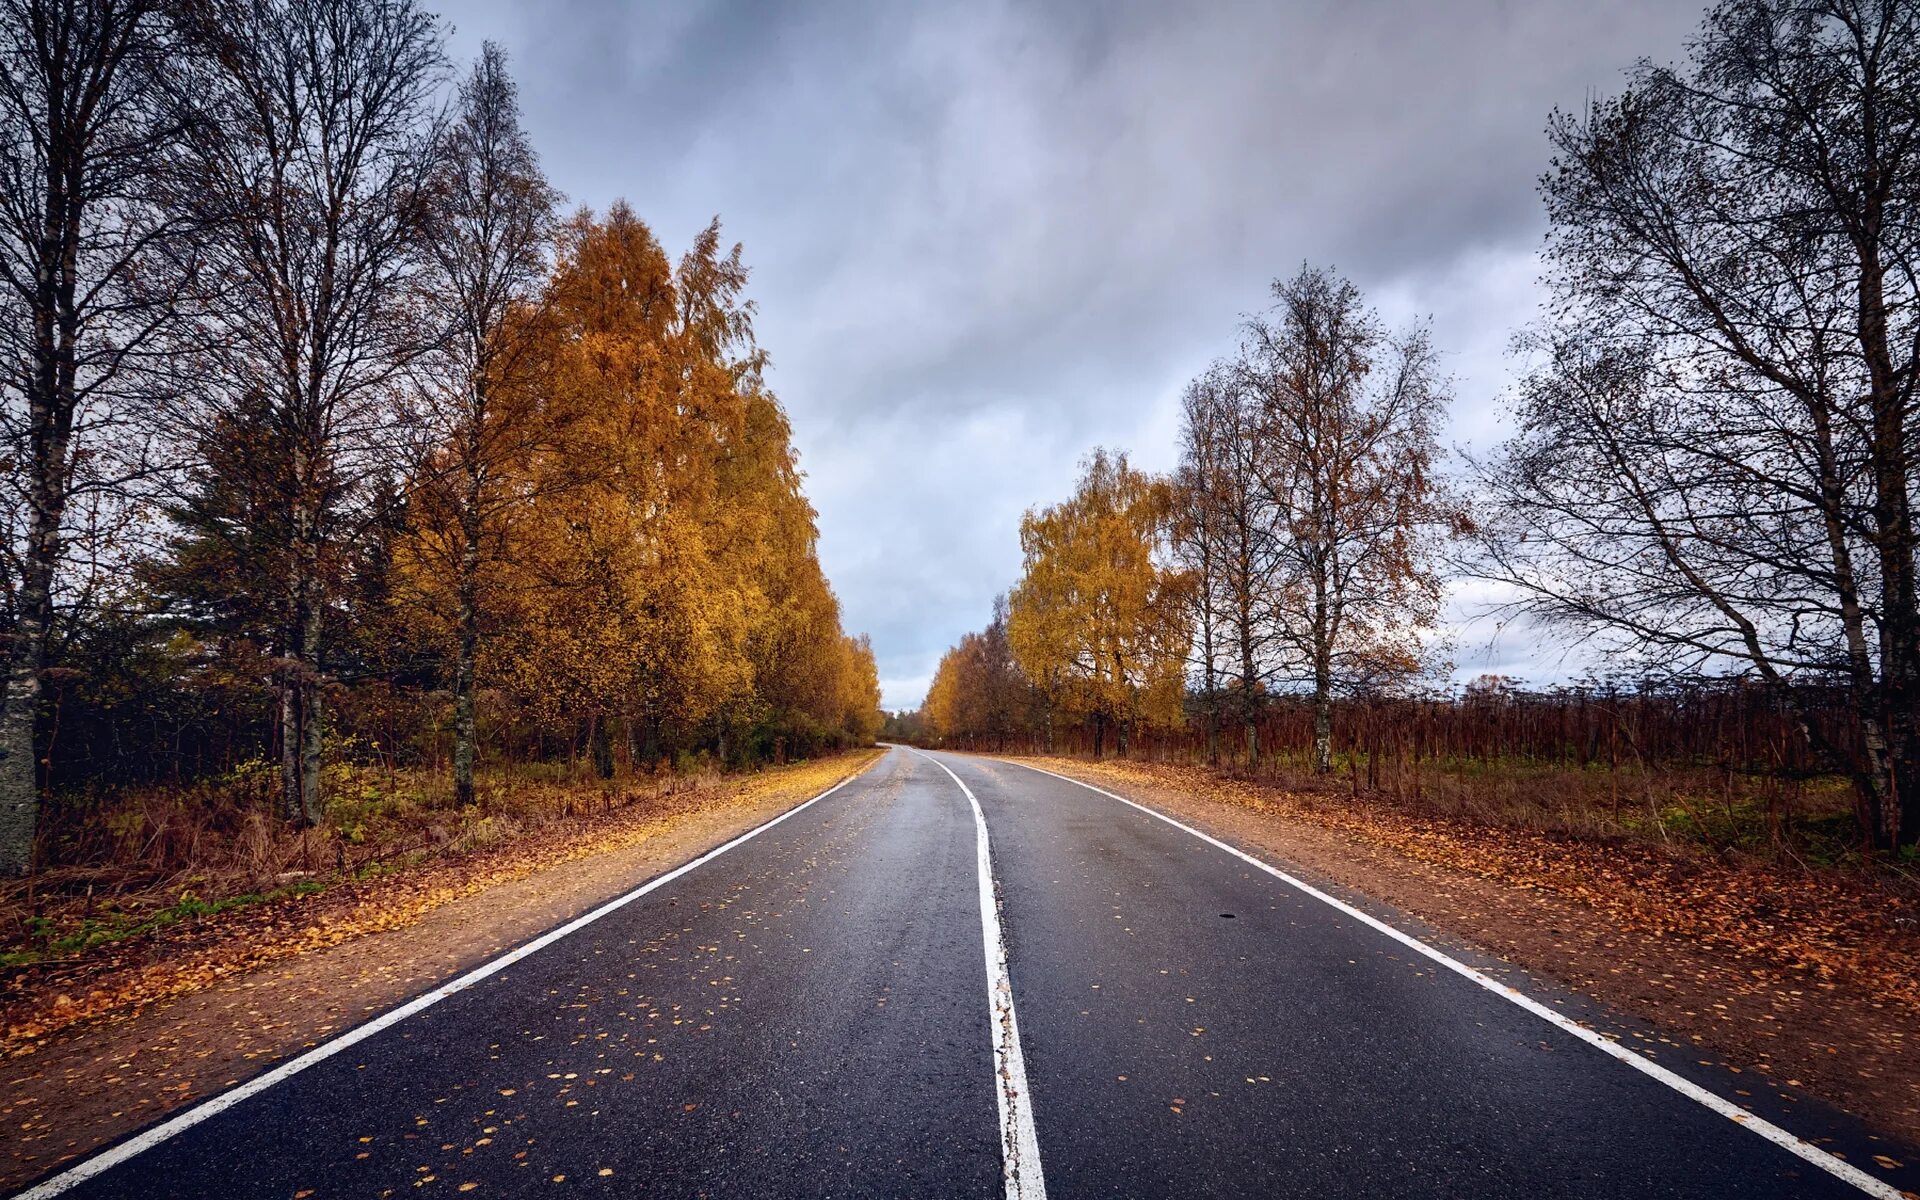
(113, 1157)
(1019, 1143)
(1837, 1167)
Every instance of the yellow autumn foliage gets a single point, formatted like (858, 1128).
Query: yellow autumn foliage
(658, 576)
(1098, 621)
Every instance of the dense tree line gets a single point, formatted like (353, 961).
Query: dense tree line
(326, 430)
(1712, 470)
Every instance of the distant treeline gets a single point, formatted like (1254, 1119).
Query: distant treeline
(1664, 724)
(1711, 470)
(329, 439)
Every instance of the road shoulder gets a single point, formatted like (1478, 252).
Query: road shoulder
(93, 1083)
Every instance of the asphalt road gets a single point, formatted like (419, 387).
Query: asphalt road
(812, 1013)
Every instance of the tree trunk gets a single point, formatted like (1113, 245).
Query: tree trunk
(468, 649)
(312, 713)
(1322, 683)
(1213, 705)
(1873, 778)
(291, 710)
(602, 747)
(19, 727)
(1893, 521)
(290, 806)
(1322, 716)
(20, 775)
(300, 706)
(1322, 732)
(1249, 698)
(1899, 649)
(50, 402)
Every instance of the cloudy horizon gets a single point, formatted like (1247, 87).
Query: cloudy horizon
(987, 238)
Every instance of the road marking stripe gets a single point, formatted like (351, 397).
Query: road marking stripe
(114, 1156)
(1019, 1143)
(1833, 1165)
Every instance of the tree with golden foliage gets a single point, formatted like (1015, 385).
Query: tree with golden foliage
(978, 691)
(480, 410)
(621, 610)
(421, 452)
(1098, 621)
(660, 582)
(858, 690)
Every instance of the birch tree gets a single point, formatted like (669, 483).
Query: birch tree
(1714, 464)
(491, 225)
(1197, 542)
(314, 167)
(84, 127)
(1225, 532)
(1096, 608)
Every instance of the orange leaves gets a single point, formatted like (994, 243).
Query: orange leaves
(1097, 621)
(978, 690)
(662, 569)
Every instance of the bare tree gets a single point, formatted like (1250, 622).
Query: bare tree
(1226, 535)
(1713, 468)
(492, 223)
(1347, 414)
(314, 171)
(1195, 539)
(82, 131)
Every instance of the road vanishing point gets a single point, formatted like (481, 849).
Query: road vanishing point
(960, 976)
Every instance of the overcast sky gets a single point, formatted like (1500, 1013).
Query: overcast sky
(987, 237)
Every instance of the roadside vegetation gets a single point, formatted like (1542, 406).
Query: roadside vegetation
(364, 509)
(147, 858)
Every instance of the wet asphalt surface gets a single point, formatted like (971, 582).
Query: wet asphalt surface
(807, 1015)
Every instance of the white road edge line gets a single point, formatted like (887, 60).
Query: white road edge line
(114, 1156)
(1019, 1142)
(1833, 1165)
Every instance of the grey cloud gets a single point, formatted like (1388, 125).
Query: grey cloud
(987, 237)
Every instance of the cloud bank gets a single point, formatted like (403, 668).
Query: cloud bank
(988, 237)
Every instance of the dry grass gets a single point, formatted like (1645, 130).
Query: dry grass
(126, 864)
(1710, 807)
